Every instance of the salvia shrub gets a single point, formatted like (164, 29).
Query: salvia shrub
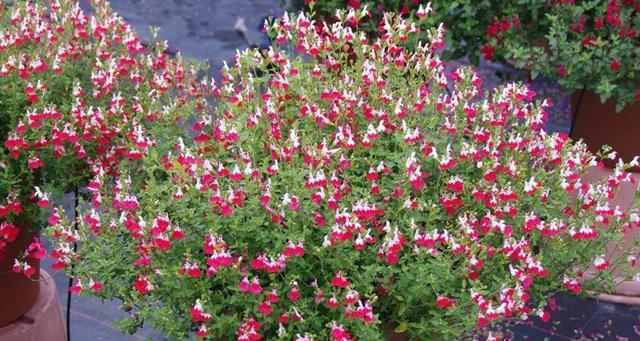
(348, 187)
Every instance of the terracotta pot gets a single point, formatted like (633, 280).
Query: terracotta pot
(599, 124)
(17, 292)
(43, 322)
(626, 291)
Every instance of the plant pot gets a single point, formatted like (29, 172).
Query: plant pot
(17, 292)
(626, 291)
(43, 322)
(599, 124)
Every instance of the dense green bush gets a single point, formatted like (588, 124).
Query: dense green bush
(331, 194)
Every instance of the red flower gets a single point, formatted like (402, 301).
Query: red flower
(573, 286)
(487, 51)
(202, 331)
(404, 10)
(614, 65)
(198, 314)
(36, 250)
(355, 4)
(294, 294)
(34, 163)
(76, 288)
(493, 29)
(444, 302)
(562, 71)
(339, 281)
(95, 286)
(265, 308)
(589, 41)
(142, 285)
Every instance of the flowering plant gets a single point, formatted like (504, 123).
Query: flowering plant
(590, 45)
(330, 195)
(79, 94)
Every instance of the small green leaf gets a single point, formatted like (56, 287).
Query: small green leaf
(401, 328)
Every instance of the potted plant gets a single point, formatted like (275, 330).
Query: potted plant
(470, 25)
(590, 48)
(329, 196)
(78, 94)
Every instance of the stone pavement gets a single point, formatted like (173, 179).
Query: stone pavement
(203, 29)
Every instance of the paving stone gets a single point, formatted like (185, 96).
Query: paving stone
(613, 322)
(524, 332)
(570, 317)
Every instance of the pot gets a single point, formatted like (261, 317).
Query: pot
(43, 322)
(17, 292)
(599, 124)
(625, 291)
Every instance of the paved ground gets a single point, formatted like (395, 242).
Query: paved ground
(204, 29)
(201, 29)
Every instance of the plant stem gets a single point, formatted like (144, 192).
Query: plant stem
(75, 248)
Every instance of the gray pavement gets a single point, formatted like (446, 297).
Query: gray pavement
(200, 29)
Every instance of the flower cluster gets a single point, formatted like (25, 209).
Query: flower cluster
(331, 194)
(80, 94)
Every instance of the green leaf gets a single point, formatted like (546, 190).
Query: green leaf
(401, 328)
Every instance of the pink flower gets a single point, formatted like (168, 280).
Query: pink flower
(293, 250)
(339, 333)
(252, 287)
(202, 331)
(562, 71)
